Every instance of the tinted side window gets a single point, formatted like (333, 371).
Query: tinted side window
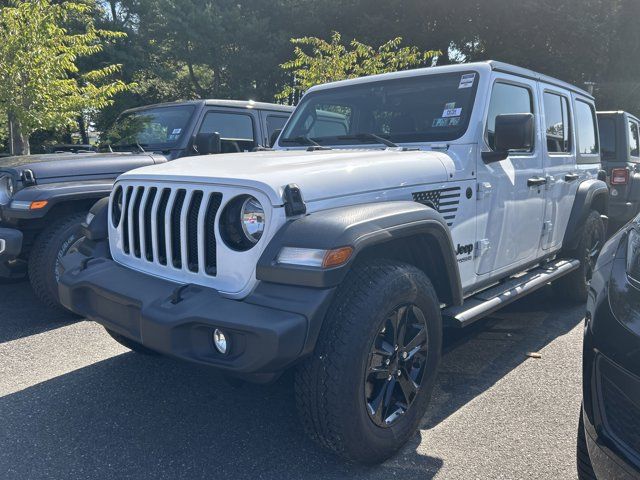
(230, 126)
(558, 130)
(586, 129)
(275, 123)
(607, 128)
(634, 143)
(506, 99)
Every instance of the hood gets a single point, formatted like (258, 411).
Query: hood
(319, 174)
(57, 165)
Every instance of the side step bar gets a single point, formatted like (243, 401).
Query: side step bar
(494, 298)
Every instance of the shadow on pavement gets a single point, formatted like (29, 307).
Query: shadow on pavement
(144, 417)
(23, 315)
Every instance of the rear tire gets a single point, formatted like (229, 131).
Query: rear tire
(338, 387)
(49, 248)
(131, 344)
(585, 469)
(575, 286)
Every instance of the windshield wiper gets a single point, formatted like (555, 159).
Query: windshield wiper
(369, 136)
(301, 139)
(130, 146)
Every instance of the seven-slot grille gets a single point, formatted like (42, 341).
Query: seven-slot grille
(168, 226)
(444, 201)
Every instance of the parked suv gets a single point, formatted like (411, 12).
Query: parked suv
(609, 426)
(394, 205)
(44, 198)
(621, 160)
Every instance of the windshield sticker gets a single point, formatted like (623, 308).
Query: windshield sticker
(445, 122)
(450, 105)
(466, 81)
(176, 131)
(452, 112)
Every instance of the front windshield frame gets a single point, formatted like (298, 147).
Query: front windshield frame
(294, 136)
(127, 142)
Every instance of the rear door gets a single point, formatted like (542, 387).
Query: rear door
(510, 198)
(272, 121)
(238, 128)
(559, 164)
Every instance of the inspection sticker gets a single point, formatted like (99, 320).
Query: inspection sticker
(466, 81)
(452, 112)
(176, 131)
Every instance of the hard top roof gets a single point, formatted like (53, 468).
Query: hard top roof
(249, 104)
(459, 67)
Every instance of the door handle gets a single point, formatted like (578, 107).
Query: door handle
(570, 177)
(536, 182)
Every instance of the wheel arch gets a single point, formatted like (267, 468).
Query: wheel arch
(591, 195)
(404, 231)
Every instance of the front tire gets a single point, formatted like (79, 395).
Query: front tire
(51, 245)
(583, 462)
(575, 286)
(367, 385)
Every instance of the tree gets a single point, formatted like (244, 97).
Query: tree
(331, 61)
(41, 86)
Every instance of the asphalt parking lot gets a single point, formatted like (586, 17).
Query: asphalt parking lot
(76, 405)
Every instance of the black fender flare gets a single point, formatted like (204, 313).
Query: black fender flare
(57, 193)
(590, 193)
(360, 226)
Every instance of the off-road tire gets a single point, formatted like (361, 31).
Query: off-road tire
(575, 286)
(131, 344)
(330, 386)
(583, 462)
(50, 246)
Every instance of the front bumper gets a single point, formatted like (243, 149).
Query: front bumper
(267, 331)
(10, 249)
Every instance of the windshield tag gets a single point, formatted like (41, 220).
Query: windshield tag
(466, 81)
(176, 131)
(452, 112)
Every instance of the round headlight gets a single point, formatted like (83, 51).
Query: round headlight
(6, 189)
(252, 216)
(116, 207)
(242, 223)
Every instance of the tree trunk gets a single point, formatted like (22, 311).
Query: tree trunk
(82, 126)
(19, 142)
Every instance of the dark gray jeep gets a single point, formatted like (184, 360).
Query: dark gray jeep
(45, 198)
(620, 139)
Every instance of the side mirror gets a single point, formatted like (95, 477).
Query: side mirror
(207, 143)
(274, 136)
(512, 132)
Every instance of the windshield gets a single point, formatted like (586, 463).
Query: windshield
(161, 127)
(424, 108)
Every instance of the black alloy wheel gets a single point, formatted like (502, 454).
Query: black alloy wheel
(396, 365)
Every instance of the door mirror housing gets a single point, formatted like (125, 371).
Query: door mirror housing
(274, 136)
(207, 143)
(513, 132)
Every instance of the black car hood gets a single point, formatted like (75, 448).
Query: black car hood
(59, 165)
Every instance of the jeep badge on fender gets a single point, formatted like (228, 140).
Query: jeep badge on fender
(345, 252)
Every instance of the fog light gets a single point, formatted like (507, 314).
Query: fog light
(220, 341)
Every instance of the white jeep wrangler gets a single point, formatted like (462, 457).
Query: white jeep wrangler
(393, 206)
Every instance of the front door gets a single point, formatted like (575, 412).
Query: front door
(510, 192)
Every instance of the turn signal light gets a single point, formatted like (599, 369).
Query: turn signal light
(337, 257)
(619, 176)
(38, 205)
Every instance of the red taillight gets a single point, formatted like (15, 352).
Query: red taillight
(619, 176)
